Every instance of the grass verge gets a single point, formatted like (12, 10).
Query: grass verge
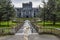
(48, 24)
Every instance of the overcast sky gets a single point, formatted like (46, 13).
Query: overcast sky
(18, 3)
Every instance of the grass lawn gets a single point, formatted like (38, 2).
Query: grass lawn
(7, 24)
(23, 19)
(11, 24)
(49, 24)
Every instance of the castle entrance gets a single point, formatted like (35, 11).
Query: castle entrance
(27, 16)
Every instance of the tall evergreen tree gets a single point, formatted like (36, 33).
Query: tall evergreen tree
(6, 10)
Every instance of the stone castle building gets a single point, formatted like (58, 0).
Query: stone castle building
(27, 10)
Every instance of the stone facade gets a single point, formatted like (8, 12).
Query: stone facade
(27, 10)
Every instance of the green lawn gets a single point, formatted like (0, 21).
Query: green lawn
(7, 24)
(23, 19)
(49, 24)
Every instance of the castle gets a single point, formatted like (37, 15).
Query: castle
(27, 10)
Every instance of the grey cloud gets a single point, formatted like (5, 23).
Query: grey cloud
(18, 1)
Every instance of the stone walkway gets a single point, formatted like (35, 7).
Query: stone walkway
(27, 32)
(26, 28)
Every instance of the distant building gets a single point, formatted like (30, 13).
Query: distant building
(27, 10)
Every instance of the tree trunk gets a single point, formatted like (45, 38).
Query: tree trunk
(54, 19)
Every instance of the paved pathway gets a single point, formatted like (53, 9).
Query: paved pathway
(26, 28)
(27, 32)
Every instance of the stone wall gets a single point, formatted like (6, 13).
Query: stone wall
(41, 30)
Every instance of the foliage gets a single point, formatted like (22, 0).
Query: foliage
(58, 9)
(51, 11)
(6, 10)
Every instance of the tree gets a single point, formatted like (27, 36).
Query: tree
(6, 10)
(58, 9)
(52, 10)
(49, 11)
(43, 12)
